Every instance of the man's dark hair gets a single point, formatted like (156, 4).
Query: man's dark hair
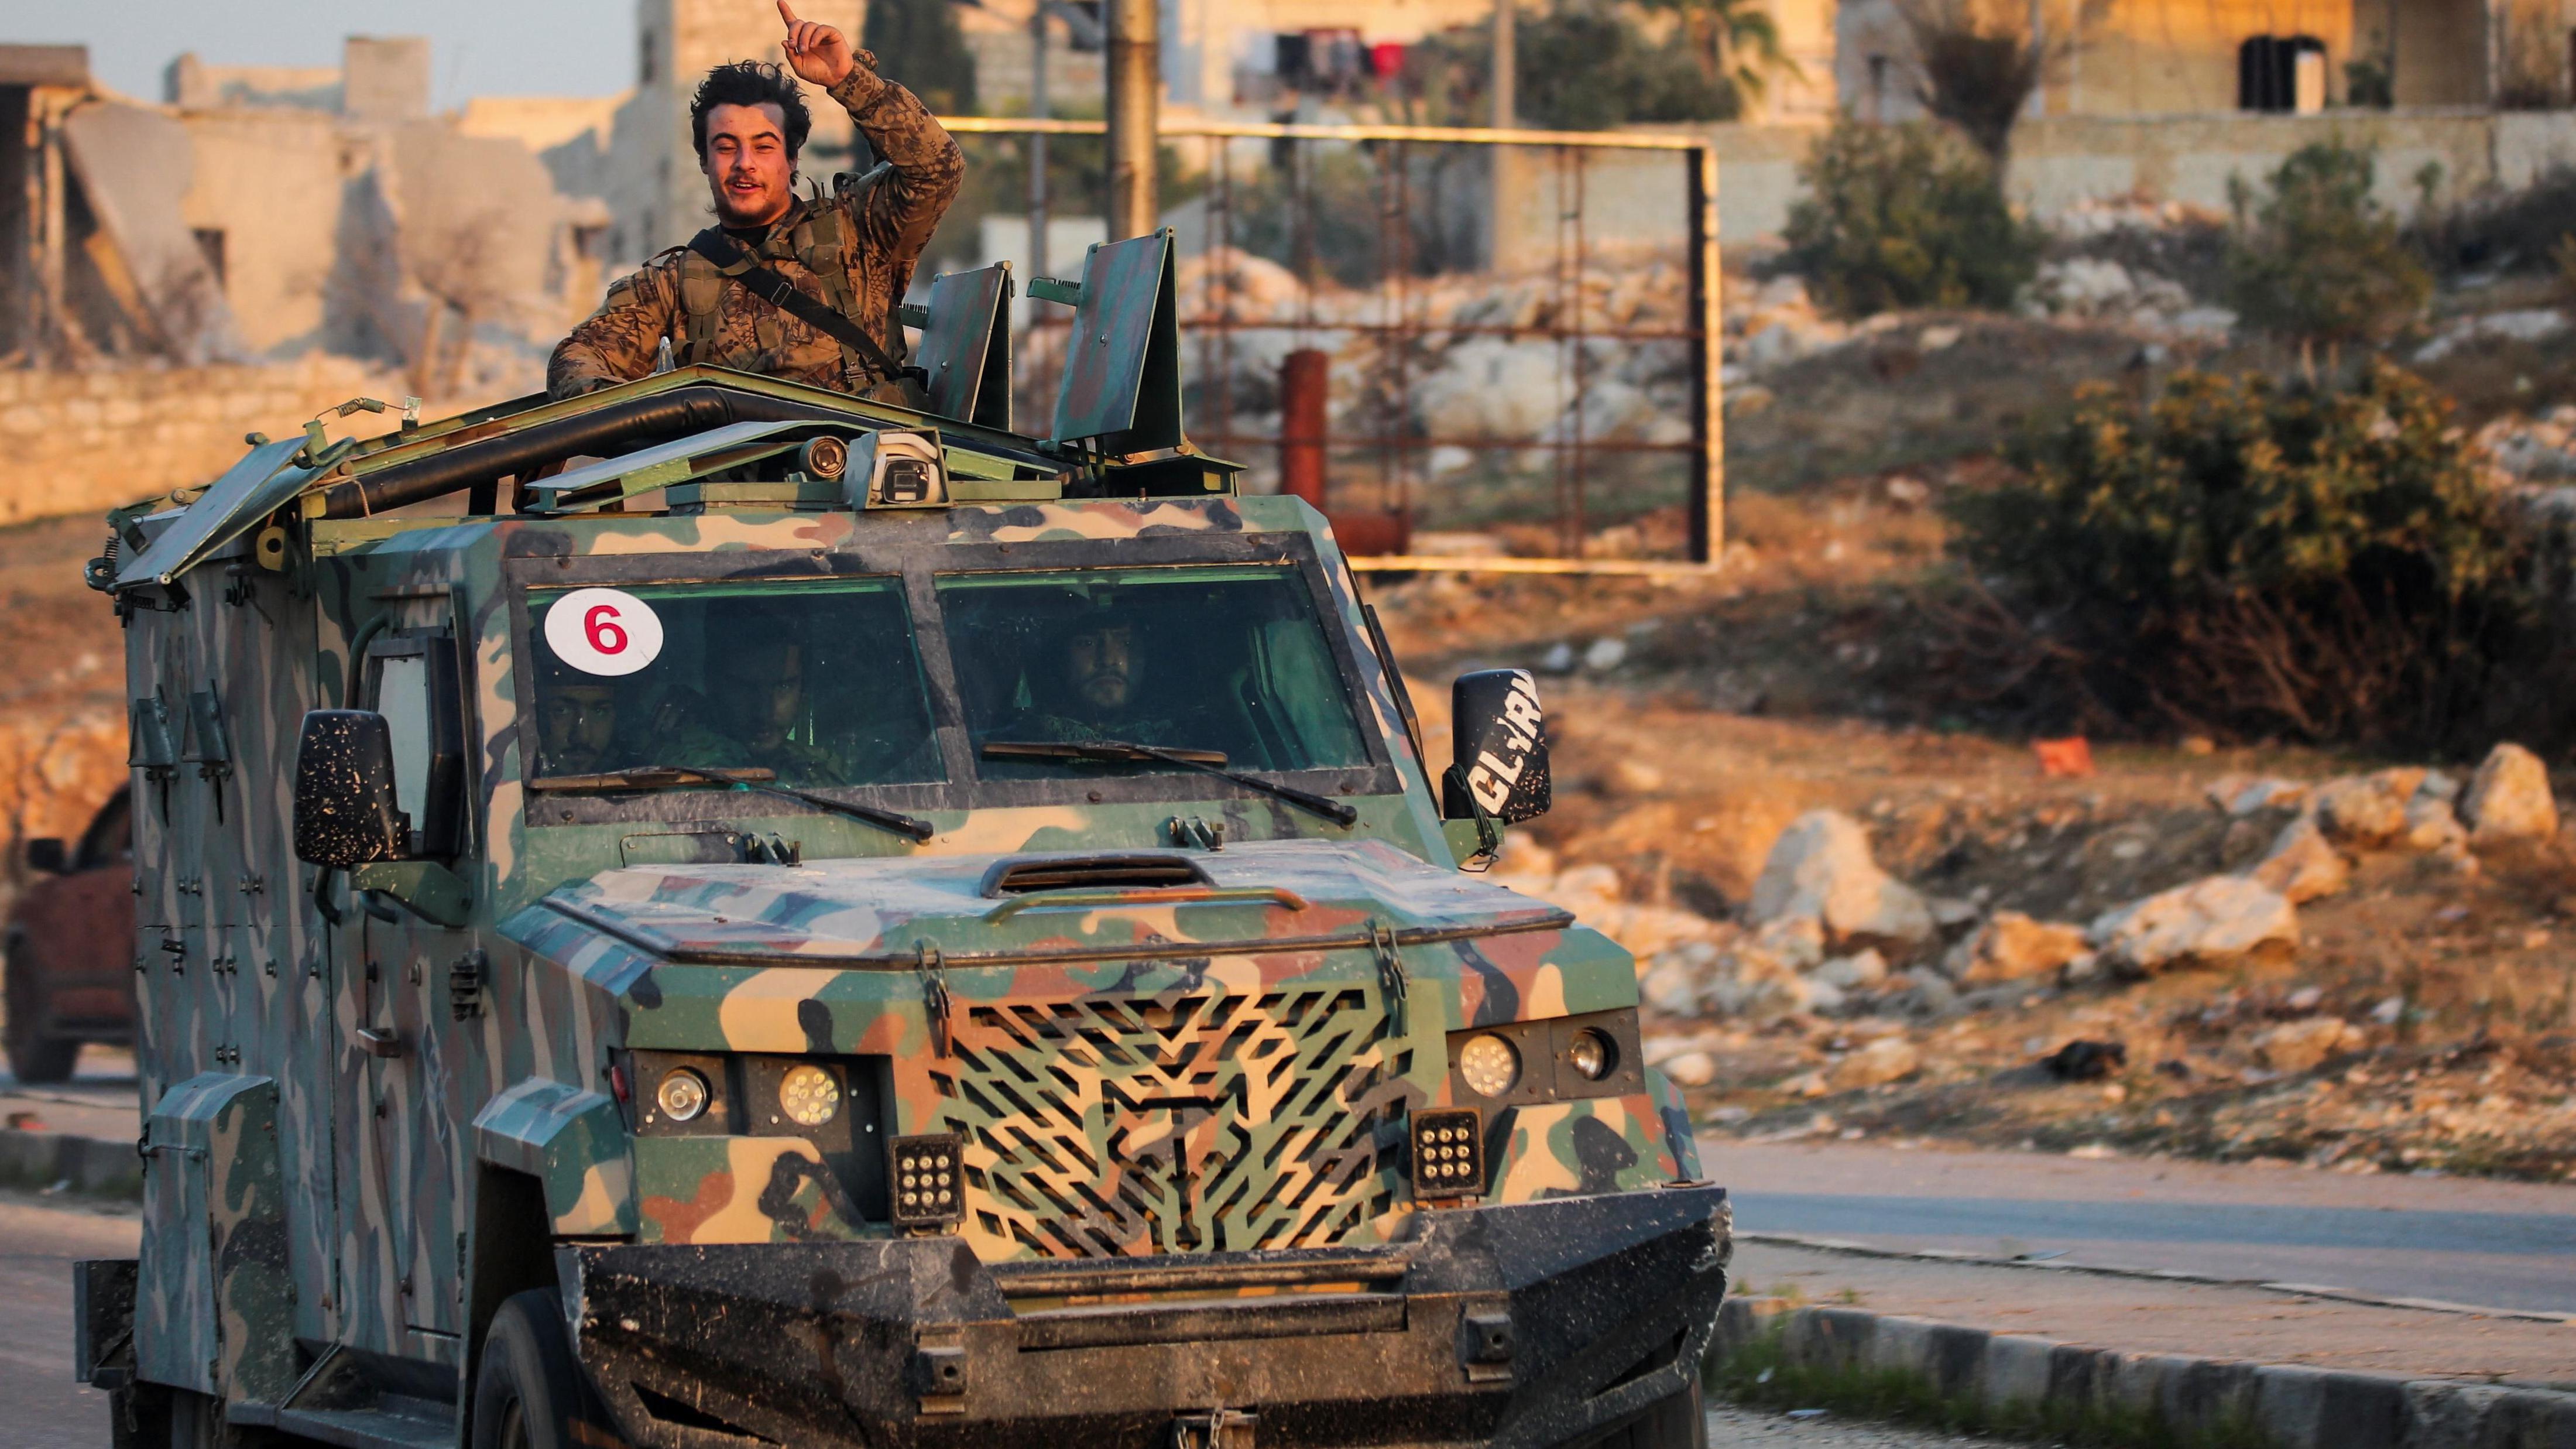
(750, 83)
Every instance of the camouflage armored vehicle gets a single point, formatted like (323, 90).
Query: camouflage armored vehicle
(718, 914)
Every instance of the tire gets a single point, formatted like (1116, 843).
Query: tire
(34, 1060)
(530, 1394)
(1679, 1422)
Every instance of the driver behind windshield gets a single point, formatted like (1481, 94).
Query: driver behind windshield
(756, 706)
(1089, 684)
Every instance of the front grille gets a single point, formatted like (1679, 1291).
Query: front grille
(1203, 1122)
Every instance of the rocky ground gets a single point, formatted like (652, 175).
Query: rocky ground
(1857, 920)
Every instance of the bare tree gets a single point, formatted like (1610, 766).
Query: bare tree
(459, 268)
(1977, 62)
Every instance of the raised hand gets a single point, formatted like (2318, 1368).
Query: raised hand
(817, 52)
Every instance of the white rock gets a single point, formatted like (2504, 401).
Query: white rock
(2301, 866)
(1849, 973)
(2438, 786)
(1673, 987)
(2296, 1046)
(1691, 1069)
(1797, 943)
(1882, 1061)
(2249, 796)
(1559, 659)
(1605, 653)
(2011, 946)
(2362, 810)
(1821, 867)
(2509, 799)
(2211, 919)
(2431, 824)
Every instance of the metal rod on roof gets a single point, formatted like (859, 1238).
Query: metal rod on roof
(1135, 95)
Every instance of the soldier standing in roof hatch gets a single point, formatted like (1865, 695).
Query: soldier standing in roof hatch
(846, 259)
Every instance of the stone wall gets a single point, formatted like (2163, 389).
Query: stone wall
(85, 442)
(2063, 162)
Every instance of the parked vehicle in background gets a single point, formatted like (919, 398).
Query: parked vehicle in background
(70, 947)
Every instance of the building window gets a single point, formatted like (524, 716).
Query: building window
(2281, 73)
(210, 240)
(1877, 108)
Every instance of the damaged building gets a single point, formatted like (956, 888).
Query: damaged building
(260, 213)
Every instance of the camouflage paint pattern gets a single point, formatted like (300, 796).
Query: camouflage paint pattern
(1131, 1075)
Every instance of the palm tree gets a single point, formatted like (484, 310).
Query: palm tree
(1736, 42)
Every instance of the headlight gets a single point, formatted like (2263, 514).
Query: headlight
(1488, 1065)
(1591, 1054)
(809, 1096)
(682, 1094)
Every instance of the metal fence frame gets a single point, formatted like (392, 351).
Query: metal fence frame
(1703, 333)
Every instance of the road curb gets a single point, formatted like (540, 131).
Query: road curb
(93, 1166)
(2012, 1378)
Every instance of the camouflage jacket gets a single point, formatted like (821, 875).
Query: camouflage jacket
(881, 230)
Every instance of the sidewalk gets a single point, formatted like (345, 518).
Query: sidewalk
(2141, 1315)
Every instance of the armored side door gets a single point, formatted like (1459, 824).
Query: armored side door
(412, 976)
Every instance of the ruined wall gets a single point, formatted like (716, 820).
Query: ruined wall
(85, 442)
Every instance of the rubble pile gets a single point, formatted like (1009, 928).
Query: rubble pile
(2155, 1024)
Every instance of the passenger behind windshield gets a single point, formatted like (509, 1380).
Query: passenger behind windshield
(819, 685)
(1230, 660)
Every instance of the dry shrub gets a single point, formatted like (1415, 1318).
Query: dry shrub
(2247, 559)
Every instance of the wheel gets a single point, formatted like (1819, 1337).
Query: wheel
(530, 1393)
(33, 1059)
(1679, 1422)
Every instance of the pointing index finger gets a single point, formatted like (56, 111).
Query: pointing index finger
(787, 14)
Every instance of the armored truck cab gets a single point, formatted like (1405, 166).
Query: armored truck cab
(791, 920)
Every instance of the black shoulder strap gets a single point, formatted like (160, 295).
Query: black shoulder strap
(781, 293)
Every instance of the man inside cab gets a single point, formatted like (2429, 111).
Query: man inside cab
(799, 290)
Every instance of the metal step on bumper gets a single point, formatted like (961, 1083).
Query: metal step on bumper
(1528, 1324)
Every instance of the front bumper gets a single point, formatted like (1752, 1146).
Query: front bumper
(1526, 1324)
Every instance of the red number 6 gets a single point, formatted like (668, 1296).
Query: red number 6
(601, 625)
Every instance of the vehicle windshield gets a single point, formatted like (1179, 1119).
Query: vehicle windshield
(817, 683)
(1225, 659)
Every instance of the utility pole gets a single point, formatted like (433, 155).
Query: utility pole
(1038, 142)
(1506, 68)
(1135, 91)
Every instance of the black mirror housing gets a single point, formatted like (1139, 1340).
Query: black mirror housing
(345, 813)
(47, 856)
(1498, 737)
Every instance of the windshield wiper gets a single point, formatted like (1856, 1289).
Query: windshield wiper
(664, 777)
(1210, 762)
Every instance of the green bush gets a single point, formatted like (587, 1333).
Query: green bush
(1624, 77)
(2248, 559)
(2320, 261)
(1903, 216)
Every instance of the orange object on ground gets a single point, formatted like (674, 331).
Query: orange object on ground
(2070, 758)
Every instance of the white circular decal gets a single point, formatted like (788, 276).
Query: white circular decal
(604, 631)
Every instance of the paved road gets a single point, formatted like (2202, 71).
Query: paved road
(2509, 1245)
(40, 1406)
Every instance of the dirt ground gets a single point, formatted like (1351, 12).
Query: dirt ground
(1733, 705)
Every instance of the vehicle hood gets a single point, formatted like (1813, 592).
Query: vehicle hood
(1262, 896)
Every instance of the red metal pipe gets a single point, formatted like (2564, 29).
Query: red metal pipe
(1303, 394)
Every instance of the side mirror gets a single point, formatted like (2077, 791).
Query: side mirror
(46, 856)
(1499, 746)
(344, 790)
